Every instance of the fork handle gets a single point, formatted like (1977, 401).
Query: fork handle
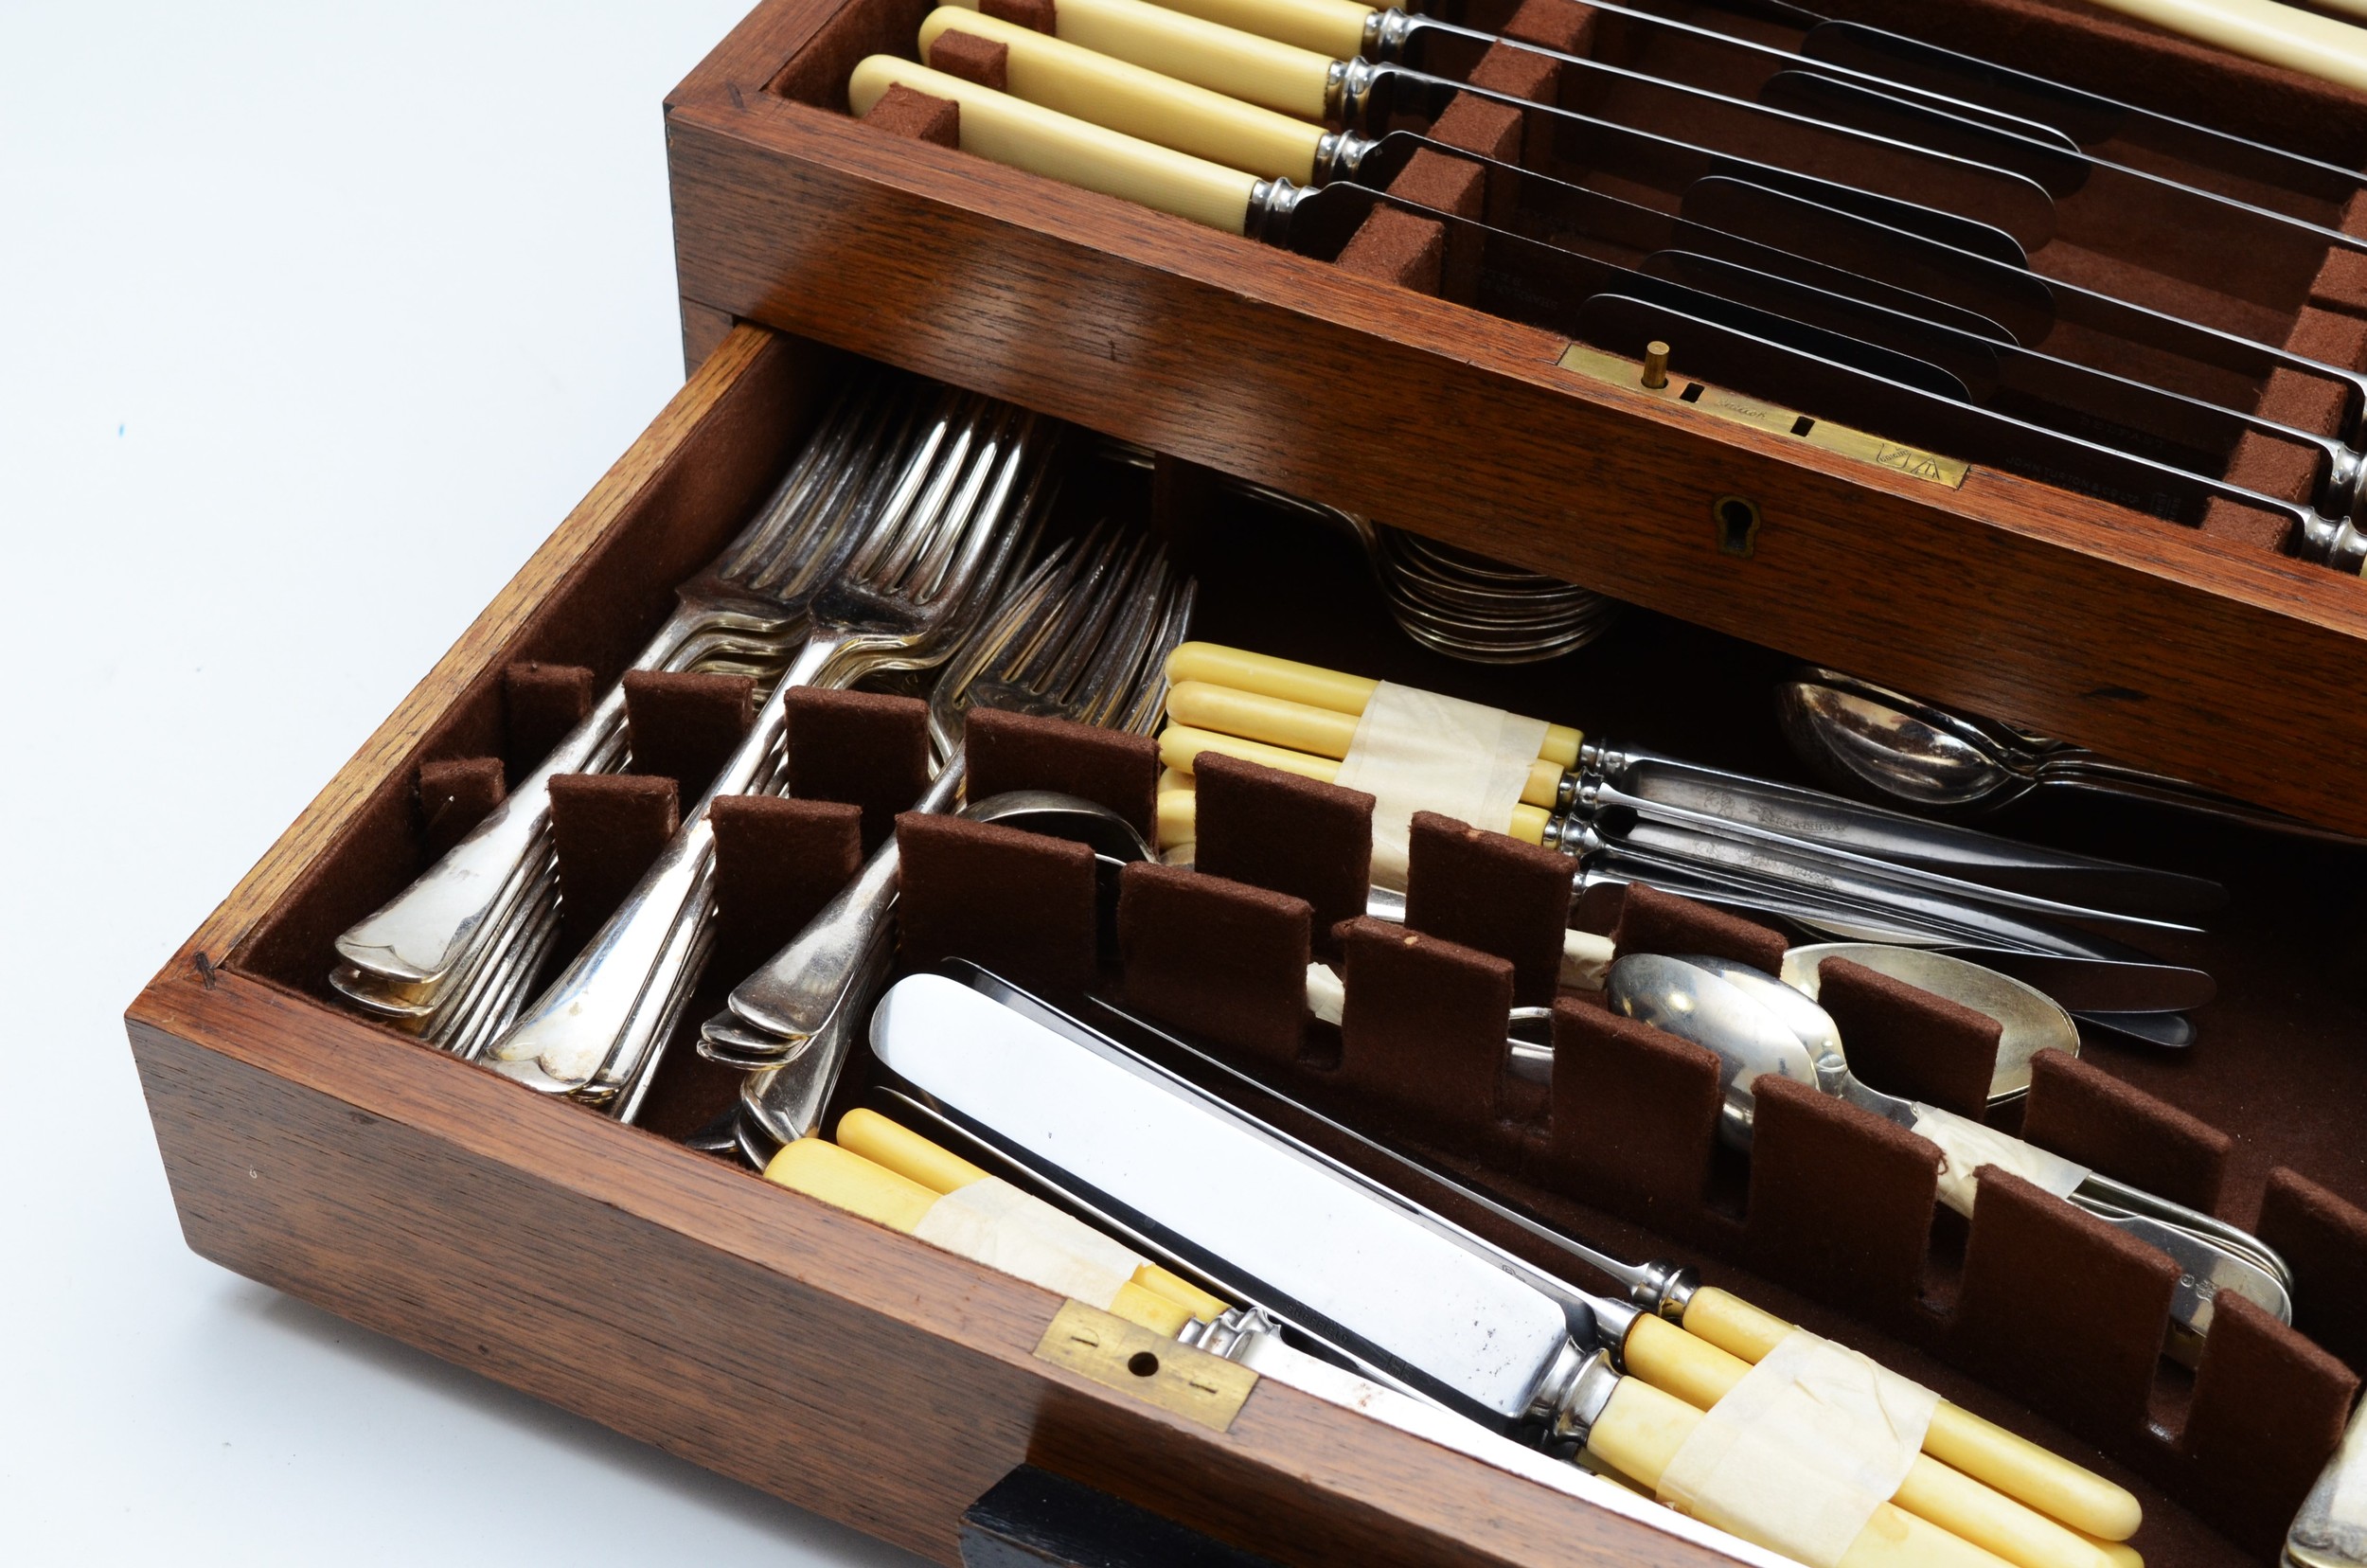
(795, 992)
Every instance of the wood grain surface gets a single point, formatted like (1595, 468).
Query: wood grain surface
(2151, 642)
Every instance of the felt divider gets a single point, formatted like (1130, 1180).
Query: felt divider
(1651, 920)
(1904, 1041)
(2269, 1408)
(972, 59)
(1019, 751)
(540, 702)
(1020, 903)
(2324, 1240)
(1293, 835)
(454, 796)
(685, 725)
(777, 862)
(2085, 1113)
(1841, 1199)
(607, 828)
(902, 112)
(863, 747)
(2061, 1309)
(1423, 1032)
(1221, 959)
(1491, 892)
(1632, 1118)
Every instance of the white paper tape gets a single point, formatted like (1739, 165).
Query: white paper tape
(1585, 960)
(1416, 751)
(1966, 1145)
(993, 1223)
(1801, 1452)
(1326, 994)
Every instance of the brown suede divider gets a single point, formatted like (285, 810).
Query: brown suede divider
(1020, 903)
(2267, 1414)
(1444, 184)
(1563, 26)
(1423, 1031)
(2085, 1113)
(1480, 125)
(777, 863)
(1270, 828)
(607, 828)
(1394, 246)
(1841, 1199)
(541, 703)
(1491, 892)
(1653, 922)
(1221, 959)
(972, 59)
(2303, 402)
(861, 747)
(685, 725)
(2341, 283)
(901, 112)
(2330, 337)
(2061, 1308)
(2239, 524)
(2274, 466)
(2324, 1240)
(1018, 751)
(1516, 71)
(1904, 1041)
(1038, 14)
(455, 796)
(1633, 1117)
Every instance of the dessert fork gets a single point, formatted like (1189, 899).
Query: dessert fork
(915, 570)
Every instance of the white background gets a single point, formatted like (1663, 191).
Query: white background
(314, 318)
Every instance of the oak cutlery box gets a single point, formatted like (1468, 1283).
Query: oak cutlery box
(855, 1372)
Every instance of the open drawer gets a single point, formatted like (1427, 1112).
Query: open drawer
(681, 1300)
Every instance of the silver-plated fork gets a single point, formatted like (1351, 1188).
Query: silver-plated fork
(434, 942)
(1086, 639)
(919, 566)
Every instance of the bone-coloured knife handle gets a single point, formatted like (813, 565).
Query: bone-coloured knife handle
(1000, 126)
(1125, 97)
(1700, 1374)
(1335, 27)
(1180, 745)
(1301, 726)
(2264, 30)
(1315, 686)
(1983, 1450)
(1241, 64)
(1641, 1430)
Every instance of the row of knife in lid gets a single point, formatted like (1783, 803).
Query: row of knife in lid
(1885, 235)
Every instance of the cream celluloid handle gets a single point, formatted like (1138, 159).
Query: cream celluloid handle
(998, 126)
(1641, 1430)
(1179, 743)
(1335, 27)
(1700, 1374)
(1077, 81)
(2262, 30)
(2014, 1466)
(1223, 60)
(1315, 686)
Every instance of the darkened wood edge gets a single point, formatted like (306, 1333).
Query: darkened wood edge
(703, 332)
(2144, 639)
(484, 642)
(762, 1334)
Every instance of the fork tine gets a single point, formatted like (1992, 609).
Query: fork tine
(968, 573)
(821, 457)
(1114, 673)
(1106, 602)
(923, 571)
(955, 435)
(1038, 670)
(838, 492)
(1150, 699)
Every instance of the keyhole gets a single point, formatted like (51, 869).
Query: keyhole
(1737, 520)
(1143, 1363)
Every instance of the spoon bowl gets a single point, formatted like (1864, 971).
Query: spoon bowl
(1681, 998)
(2031, 1020)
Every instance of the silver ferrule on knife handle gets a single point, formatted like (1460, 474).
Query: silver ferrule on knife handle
(1270, 203)
(1574, 1396)
(2339, 545)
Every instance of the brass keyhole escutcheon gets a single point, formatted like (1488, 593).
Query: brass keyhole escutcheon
(1736, 518)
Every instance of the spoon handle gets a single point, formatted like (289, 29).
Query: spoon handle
(2096, 777)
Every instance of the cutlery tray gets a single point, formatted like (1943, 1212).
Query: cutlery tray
(683, 1301)
(2199, 650)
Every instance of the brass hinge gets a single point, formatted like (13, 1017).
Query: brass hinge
(1152, 1368)
(1758, 414)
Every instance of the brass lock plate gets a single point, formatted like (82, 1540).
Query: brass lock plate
(1156, 1370)
(1758, 414)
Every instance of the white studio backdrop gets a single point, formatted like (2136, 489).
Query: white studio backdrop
(314, 320)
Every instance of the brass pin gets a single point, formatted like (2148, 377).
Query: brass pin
(1655, 366)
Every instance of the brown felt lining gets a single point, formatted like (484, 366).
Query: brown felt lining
(2085, 1113)
(902, 112)
(2324, 1240)
(608, 829)
(1221, 959)
(1904, 1041)
(1018, 751)
(685, 725)
(1491, 892)
(1277, 830)
(863, 747)
(540, 704)
(777, 862)
(972, 57)
(455, 795)
(1653, 922)
(1423, 1030)
(1019, 903)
